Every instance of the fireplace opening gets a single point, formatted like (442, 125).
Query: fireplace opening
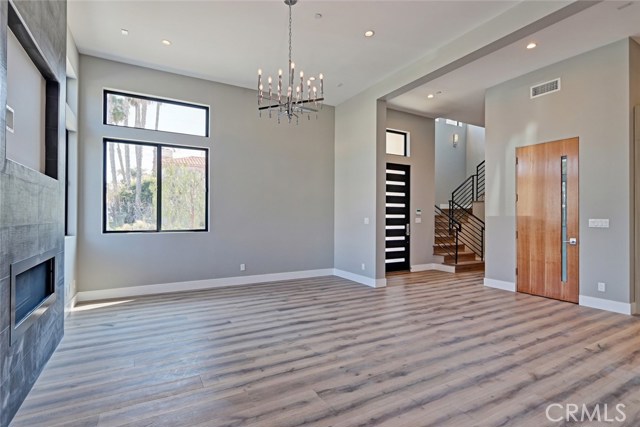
(32, 291)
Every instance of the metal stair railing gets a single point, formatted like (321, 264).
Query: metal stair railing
(446, 233)
(472, 228)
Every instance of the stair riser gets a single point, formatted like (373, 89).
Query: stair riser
(461, 257)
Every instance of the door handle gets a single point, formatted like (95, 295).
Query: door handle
(572, 241)
(408, 229)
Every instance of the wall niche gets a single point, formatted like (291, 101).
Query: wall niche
(32, 102)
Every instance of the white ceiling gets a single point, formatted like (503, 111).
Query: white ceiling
(227, 41)
(463, 90)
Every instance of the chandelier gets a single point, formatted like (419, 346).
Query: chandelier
(291, 100)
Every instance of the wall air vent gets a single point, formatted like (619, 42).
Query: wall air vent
(545, 88)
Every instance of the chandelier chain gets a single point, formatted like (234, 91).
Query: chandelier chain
(290, 37)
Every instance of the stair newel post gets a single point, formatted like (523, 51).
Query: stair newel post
(457, 245)
(482, 243)
(450, 213)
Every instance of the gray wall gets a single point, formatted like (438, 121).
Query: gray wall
(360, 137)
(634, 105)
(475, 148)
(26, 95)
(451, 162)
(594, 106)
(31, 214)
(271, 188)
(422, 162)
(355, 189)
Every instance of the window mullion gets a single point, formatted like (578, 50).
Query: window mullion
(159, 187)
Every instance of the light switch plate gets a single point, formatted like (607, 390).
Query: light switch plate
(366, 221)
(598, 223)
(418, 220)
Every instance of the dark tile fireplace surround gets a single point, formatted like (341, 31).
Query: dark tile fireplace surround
(32, 210)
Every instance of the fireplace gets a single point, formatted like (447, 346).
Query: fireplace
(33, 283)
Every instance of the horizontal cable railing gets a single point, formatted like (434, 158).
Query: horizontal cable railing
(480, 181)
(472, 229)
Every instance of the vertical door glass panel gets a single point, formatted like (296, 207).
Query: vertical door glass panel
(564, 217)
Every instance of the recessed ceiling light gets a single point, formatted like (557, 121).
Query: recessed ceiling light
(313, 79)
(369, 33)
(532, 45)
(166, 42)
(124, 32)
(430, 96)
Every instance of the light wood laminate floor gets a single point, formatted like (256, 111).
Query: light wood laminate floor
(432, 349)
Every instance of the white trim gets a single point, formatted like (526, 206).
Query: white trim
(500, 284)
(374, 283)
(444, 205)
(433, 266)
(608, 305)
(70, 305)
(197, 285)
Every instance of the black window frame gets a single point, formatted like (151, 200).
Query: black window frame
(158, 146)
(406, 142)
(206, 108)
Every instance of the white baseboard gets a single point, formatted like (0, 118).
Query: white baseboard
(433, 266)
(196, 285)
(608, 305)
(374, 283)
(70, 305)
(500, 284)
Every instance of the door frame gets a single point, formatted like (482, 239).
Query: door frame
(406, 265)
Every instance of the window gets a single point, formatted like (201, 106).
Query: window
(144, 112)
(397, 143)
(152, 187)
(453, 122)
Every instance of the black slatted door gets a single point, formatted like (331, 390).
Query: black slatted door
(397, 217)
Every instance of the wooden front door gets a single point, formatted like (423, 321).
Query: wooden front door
(547, 219)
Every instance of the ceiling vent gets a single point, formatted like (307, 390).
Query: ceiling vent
(545, 88)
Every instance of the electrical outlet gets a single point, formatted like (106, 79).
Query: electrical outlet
(602, 287)
(243, 267)
(363, 266)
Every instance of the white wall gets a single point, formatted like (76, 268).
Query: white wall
(594, 106)
(271, 188)
(26, 94)
(451, 162)
(422, 162)
(70, 240)
(475, 148)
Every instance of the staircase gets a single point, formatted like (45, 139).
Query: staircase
(459, 234)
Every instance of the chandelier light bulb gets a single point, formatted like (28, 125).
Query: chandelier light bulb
(259, 71)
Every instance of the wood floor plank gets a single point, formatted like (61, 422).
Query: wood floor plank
(431, 349)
